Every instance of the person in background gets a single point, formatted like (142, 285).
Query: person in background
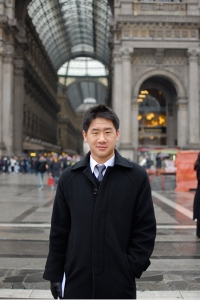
(55, 169)
(40, 168)
(103, 225)
(12, 164)
(158, 161)
(196, 206)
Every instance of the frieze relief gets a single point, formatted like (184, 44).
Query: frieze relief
(166, 7)
(158, 33)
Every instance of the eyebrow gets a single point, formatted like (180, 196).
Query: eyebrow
(107, 128)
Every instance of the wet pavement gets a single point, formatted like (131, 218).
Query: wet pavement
(25, 214)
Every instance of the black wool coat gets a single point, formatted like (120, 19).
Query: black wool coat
(101, 236)
(196, 206)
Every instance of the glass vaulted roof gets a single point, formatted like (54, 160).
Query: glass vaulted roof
(85, 78)
(71, 28)
(83, 66)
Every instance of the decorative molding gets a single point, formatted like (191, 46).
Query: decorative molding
(19, 67)
(159, 56)
(193, 53)
(182, 104)
(159, 32)
(141, 19)
(126, 53)
(117, 56)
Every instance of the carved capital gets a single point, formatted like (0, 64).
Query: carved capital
(193, 53)
(1, 51)
(126, 53)
(134, 104)
(19, 67)
(8, 55)
(182, 104)
(117, 56)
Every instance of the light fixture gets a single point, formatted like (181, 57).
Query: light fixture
(150, 116)
(144, 92)
(161, 120)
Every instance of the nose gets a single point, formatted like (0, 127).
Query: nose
(101, 137)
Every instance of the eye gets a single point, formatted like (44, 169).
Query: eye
(107, 132)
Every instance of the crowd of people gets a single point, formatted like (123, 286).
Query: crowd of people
(53, 165)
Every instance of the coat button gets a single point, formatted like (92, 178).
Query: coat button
(95, 192)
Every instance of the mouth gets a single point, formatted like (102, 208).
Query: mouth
(101, 147)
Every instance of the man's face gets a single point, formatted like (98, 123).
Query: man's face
(101, 138)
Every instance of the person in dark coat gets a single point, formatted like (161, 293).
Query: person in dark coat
(196, 206)
(55, 169)
(103, 225)
(40, 169)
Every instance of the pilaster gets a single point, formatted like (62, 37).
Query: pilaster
(134, 125)
(2, 145)
(18, 104)
(193, 98)
(117, 85)
(126, 141)
(7, 98)
(182, 122)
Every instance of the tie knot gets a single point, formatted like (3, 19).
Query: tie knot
(100, 169)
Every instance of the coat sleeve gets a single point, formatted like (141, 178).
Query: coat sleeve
(58, 240)
(143, 231)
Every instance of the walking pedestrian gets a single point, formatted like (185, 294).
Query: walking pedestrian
(196, 206)
(103, 225)
(40, 168)
(55, 169)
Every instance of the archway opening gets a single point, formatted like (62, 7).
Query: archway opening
(157, 115)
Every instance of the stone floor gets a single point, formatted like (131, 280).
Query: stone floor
(25, 214)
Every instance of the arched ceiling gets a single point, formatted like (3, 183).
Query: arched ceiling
(72, 28)
(86, 88)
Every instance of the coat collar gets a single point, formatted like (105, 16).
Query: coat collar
(119, 160)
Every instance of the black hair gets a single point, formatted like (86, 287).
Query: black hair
(99, 111)
(197, 162)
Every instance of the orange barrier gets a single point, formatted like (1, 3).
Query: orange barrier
(151, 174)
(185, 175)
(162, 174)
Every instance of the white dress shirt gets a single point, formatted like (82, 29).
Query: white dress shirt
(108, 163)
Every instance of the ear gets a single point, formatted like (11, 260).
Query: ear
(118, 135)
(84, 135)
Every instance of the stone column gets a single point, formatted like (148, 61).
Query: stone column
(8, 100)
(134, 118)
(182, 122)
(117, 83)
(126, 148)
(117, 86)
(2, 146)
(193, 102)
(18, 105)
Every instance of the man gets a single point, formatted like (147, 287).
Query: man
(103, 225)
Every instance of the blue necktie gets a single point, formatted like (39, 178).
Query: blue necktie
(100, 169)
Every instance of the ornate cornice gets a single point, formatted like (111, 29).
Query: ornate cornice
(190, 20)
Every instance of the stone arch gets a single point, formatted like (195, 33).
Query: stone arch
(181, 92)
(21, 10)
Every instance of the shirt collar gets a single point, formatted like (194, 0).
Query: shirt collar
(108, 163)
